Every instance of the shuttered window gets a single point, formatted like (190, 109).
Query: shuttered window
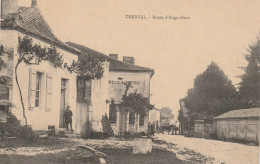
(38, 89)
(32, 88)
(49, 91)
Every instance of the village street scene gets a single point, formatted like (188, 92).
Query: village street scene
(126, 82)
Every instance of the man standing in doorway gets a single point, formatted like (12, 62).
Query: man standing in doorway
(68, 120)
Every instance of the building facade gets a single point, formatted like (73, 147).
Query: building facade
(107, 93)
(155, 118)
(46, 90)
(242, 124)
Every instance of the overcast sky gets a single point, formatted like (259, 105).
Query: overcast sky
(177, 50)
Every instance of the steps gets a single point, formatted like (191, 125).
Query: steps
(68, 134)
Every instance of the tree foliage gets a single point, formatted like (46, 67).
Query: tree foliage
(87, 67)
(250, 86)
(135, 101)
(212, 94)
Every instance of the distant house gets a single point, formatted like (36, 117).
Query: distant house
(46, 90)
(242, 124)
(107, 93)
(166, 119)
(184, 125)
(154, 118)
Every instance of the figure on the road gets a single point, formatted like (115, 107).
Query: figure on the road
(152, 128)
(67, 116)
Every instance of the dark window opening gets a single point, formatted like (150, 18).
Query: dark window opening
(131, 118)
(112, 114)
(141, 120)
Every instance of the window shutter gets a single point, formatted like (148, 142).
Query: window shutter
(32, 88)
(49, 92)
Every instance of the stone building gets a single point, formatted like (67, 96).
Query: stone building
(46, 90)
(106, 93)
(155, 118)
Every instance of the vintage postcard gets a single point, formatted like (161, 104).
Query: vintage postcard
(129, 82)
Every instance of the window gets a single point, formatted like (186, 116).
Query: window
(112, 114)
(141, 120)
(4, 93)
(38, 89)
(131, 118)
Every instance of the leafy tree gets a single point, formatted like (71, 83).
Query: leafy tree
(135, 101)
(87, 67)
(250, 86)
(212, 94)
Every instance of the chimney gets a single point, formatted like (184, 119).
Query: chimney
(34, 3)
(115, 56)
(9, 8)
(129, 59)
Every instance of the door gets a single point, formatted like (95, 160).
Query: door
(122, 122)
(62, 103)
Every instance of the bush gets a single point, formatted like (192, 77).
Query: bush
(14, 128)
(25, 132)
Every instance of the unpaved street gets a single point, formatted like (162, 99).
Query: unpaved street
(219, 151)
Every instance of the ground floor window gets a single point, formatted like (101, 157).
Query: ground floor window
(112, 114)
(4, 93)
(141, 120)
(131, 118)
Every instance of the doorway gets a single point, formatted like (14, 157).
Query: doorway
(63, 102)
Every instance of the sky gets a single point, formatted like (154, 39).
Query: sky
(178, 50)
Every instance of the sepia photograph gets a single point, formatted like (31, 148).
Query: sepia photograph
(129, 82)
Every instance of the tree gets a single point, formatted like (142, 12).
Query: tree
(135, 101)
(212, 94)
(250, 86)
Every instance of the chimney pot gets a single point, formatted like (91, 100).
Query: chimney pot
(115, 56)
(9, 8)
(129, 59)
(34, 3)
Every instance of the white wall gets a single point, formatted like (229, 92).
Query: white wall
(99, 95)
(141, 83)
(40, 118)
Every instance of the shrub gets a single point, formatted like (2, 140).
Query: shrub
(14, 128)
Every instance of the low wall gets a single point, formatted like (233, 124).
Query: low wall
(244, 129)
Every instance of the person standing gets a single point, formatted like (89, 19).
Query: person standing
(68, 118)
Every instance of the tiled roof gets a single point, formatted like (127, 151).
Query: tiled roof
(241, 113)
(29, 20)
(115, 65)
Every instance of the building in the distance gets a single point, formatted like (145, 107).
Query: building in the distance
(107, 93)
(166, 119)
(155, 118)
(183, 117)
